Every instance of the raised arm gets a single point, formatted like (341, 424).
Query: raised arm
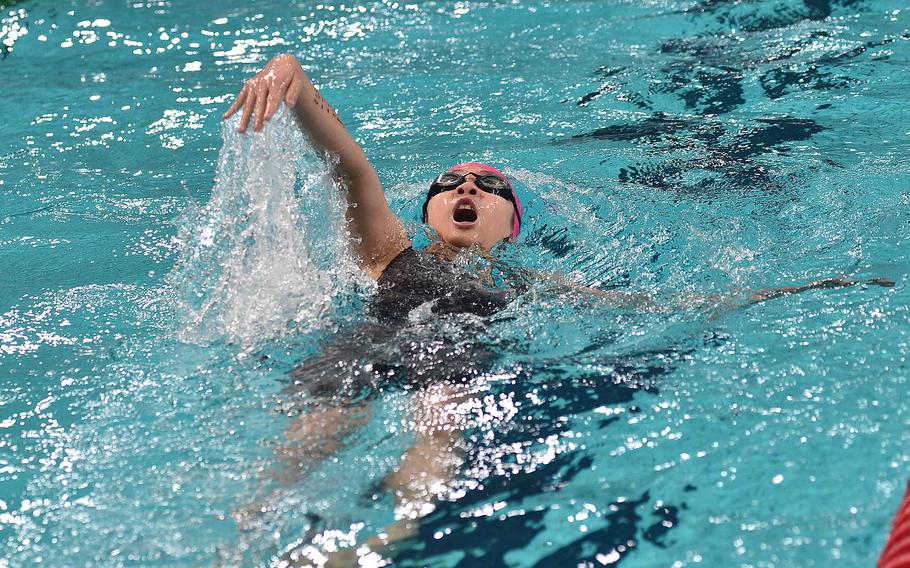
(378, 235)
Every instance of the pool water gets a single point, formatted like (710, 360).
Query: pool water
(150, 313)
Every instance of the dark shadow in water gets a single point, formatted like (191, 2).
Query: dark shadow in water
(486, 540)
(557, 240)
(819, 74)
(703, 57)
(707, 74)
(778, 82)
(729, 158)
(652, 130)
(753, 142)
(671, 133)
(619, 538)
(609, 85)
(706, 71)
(765, 16)
(706, 90)
(859, 50)
(579, 394)
(667, 518)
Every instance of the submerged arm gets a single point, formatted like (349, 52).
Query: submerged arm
(770, 293)
(622, 299)
(619, 298)
(378, 234)
(646, 301)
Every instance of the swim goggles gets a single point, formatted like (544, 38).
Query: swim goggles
(491, 183)
(495, 182)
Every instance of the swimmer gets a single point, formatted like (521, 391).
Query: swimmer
(469, 206)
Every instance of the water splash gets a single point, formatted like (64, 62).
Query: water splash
(268, 254)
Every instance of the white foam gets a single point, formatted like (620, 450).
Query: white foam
(268, 254)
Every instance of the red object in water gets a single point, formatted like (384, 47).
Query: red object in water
(897, 551)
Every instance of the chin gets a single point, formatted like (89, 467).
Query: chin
(461, 240)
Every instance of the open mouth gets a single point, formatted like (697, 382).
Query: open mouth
(464, 212)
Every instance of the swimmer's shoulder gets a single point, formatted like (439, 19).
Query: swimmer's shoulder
(414, 265)
(398, 262)
(381, 264)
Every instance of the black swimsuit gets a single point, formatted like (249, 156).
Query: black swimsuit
(388, 351)
(414, 278)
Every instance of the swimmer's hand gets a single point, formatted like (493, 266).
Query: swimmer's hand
(377, 236)
(762, 295)
(281, 78)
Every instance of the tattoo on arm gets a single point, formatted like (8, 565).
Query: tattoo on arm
(324, 105)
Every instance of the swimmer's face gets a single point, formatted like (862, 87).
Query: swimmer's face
(466, 215)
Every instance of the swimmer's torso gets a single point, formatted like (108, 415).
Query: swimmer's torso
(416, 277)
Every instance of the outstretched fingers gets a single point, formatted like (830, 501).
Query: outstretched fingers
(238, 102)
(274, 99)
(262, 99)
(281, 80)
(294, 90)
(247, 110)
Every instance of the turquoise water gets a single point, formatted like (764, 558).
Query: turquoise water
(676, 148)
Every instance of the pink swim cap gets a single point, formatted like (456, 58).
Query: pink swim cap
(516, 219)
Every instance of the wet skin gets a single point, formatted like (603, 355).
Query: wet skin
(494, 213)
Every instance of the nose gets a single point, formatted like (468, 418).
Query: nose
(465, 188)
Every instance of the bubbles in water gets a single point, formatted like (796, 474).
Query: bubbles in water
(268, 254)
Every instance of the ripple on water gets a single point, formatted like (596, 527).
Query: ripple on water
(680, 150)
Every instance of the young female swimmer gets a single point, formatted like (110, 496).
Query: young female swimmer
(472, 205)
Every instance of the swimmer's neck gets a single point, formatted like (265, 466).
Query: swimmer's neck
(443, 250)
(448, 252)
